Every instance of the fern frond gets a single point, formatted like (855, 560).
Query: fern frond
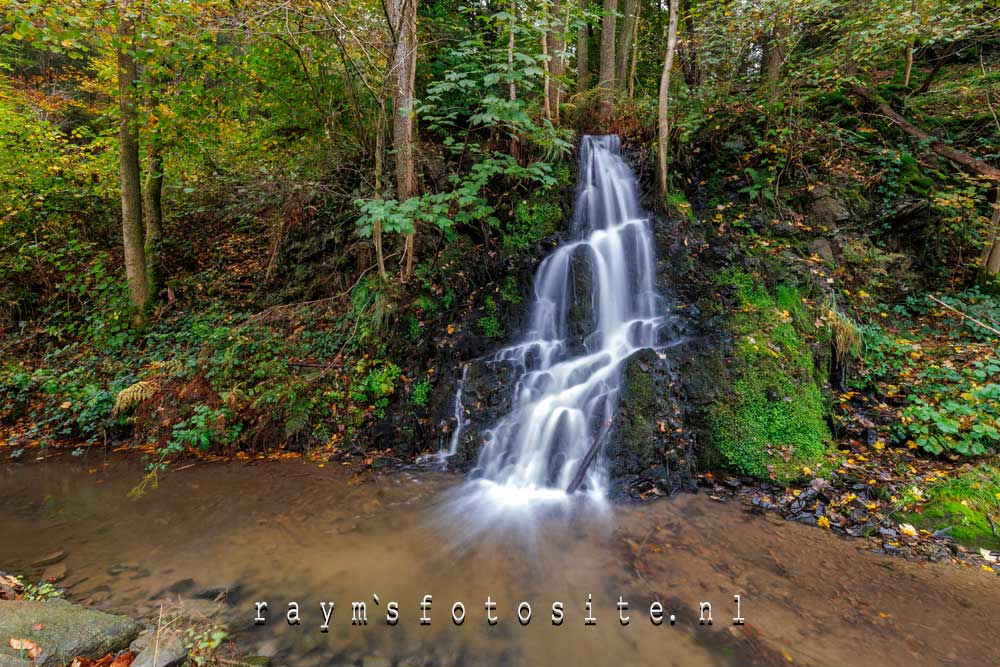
(133, 395)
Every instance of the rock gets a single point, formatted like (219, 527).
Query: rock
(176, 588)
(54, 573)
(822, 248)
(119, 568)
(168, 652)
(51, 559)
(67, 630)
(376, 661)
(228, 591)
(11, 661)
(827, 209)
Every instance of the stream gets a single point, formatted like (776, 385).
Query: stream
(292, 531)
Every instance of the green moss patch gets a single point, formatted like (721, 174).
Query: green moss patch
(771, 422)
(962, 506)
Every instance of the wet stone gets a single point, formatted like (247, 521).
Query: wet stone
(50, 559)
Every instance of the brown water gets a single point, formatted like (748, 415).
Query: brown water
(291, 531)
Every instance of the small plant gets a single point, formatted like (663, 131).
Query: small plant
(38, 592)
(510, 292)
(491, 326)
(422, 392)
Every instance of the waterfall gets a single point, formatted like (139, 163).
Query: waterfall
(595, 303)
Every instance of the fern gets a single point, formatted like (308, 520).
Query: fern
(133, 395)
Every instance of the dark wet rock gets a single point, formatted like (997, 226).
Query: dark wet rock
(822, 248)
(178, 587)
(120, 568)
(648, 451)
(165, 651)
(228, 591)
(826, 208)
(67, 630)
(50, 559)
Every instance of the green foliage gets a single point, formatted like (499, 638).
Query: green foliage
(421, 392)
(533, 221)
(491, 327)
(510, 292)
(771, 422)
(204, 428)
(39, 592)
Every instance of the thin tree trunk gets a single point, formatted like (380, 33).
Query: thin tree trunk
(606, 96)
(689, 58)
(991, 254)
(379, 169)
(624, 45)
(635, 53)
(405, 18)
(128, 142)
(909, 55)
(775, 56)
(510, 50)
(664, 101)
(153, 212)
(556, 48)
(547, 78)
(582, 53)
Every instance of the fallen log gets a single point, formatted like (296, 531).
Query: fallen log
(975, 165)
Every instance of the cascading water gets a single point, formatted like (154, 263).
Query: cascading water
(595, 304)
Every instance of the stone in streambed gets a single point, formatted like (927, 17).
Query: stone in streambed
(50, 559)
(67, 630)
(55, 572)
(168, 651)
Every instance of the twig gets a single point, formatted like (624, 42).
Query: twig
(156, 644)
(968, 317)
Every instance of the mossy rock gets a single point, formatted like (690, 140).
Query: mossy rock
(967, 525)
(64, 630)
(769, 421)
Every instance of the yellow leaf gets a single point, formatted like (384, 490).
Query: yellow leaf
(907, 529)
(823, 522)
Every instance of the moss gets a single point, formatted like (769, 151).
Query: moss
(963, 505)
(771, 423)
(968, 525)
(534, 219)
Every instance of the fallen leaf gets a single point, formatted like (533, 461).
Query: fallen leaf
(823, 522)
(32, 649)
(907, 529)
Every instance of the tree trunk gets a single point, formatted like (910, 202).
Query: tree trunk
(583, 53)
(128, 142)
(991, 254)
(546, 78)
(510, 50)
(689, 50)
(405, 18)
(663, 137)
(625, 44)
(606, 94)
(909, 55)
(153, 212)
(555, 46)
(635, 54)
(774, 57)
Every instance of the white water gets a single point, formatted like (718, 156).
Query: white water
(567, 389)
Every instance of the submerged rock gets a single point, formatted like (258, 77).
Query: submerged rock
(65, 630)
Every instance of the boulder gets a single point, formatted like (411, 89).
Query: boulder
(822, 248)
(168, 652)
(826, 208)
(65, 630)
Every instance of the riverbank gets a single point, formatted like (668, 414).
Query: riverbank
(291, 531)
